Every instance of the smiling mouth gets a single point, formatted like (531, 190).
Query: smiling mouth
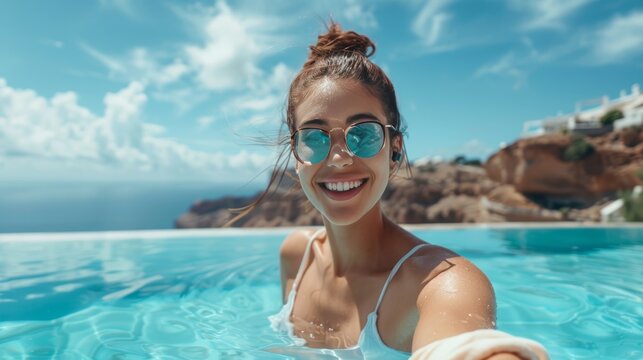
(343, 191)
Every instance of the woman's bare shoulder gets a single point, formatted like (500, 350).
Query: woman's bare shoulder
(292, 250)
(436, 268)
(427, 261)
(433, 261)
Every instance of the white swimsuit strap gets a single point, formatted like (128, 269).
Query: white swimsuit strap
(392, 274)
(304, 260)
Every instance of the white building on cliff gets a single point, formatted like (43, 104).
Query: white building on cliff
(587, 121)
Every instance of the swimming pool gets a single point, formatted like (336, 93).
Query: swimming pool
(207, 294)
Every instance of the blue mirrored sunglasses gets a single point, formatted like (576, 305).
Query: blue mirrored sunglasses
(364, 139)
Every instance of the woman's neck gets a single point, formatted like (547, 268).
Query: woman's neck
(361, 247)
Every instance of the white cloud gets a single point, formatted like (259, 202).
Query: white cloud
(356, 13)
(184, 98)
(268, 95)
(280, 77)
(234, 43)
(259, 119)
(115, 66)
(171, 73)
(507, 65)
(140, 66)
(153, 130)
(59, 130)
(430, 24)
(547, 14)
(255, 104)
(263, 104)
(243, 158)
(205, 121)
(620, 39)
(233, 47)
(516, 63)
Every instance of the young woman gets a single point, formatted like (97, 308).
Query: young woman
(363, 283)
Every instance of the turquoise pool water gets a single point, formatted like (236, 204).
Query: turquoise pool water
(207, 295)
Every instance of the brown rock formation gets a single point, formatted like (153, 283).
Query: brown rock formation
(536, 166)
(456, 209)
(284, 208)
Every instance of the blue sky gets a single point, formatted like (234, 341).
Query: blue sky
(131, 90)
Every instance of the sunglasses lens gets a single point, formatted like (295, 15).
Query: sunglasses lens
(312, 145)
(365, 140)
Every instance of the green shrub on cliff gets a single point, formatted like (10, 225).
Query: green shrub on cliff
(632, 206)
(611, 116)
(578, 149)
(427, 168)
(463, 160)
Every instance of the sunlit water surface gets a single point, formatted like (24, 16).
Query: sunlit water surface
(207, 296)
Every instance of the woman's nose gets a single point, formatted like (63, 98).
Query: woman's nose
(339, 155)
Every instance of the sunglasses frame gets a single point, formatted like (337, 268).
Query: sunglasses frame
(345, 131)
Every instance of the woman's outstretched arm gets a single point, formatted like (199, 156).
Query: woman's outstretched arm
(458, 300)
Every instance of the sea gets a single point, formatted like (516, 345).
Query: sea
(103, 206)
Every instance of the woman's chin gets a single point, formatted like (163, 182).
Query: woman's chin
(342, 221)
(343, 216)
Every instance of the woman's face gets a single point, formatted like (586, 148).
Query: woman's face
(329, 105)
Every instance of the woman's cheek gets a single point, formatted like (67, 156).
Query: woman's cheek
(307, 186)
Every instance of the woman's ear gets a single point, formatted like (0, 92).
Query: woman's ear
(396, 153)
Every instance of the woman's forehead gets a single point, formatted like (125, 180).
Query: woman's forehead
(337, 100)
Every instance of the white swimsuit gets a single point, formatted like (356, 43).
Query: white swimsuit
(370, 344)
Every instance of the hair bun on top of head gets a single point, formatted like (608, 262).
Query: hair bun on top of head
(336, 41)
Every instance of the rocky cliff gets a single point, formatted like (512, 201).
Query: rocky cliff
(529, 180)
(537, 166)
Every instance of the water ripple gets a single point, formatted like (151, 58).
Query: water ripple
(210, 298)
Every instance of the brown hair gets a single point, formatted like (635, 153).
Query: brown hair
(338, 54)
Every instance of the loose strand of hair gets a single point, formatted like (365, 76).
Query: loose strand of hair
(279, 169)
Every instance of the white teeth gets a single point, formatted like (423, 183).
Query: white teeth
(343, 186)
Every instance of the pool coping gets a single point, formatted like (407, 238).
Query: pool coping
(218, 232)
